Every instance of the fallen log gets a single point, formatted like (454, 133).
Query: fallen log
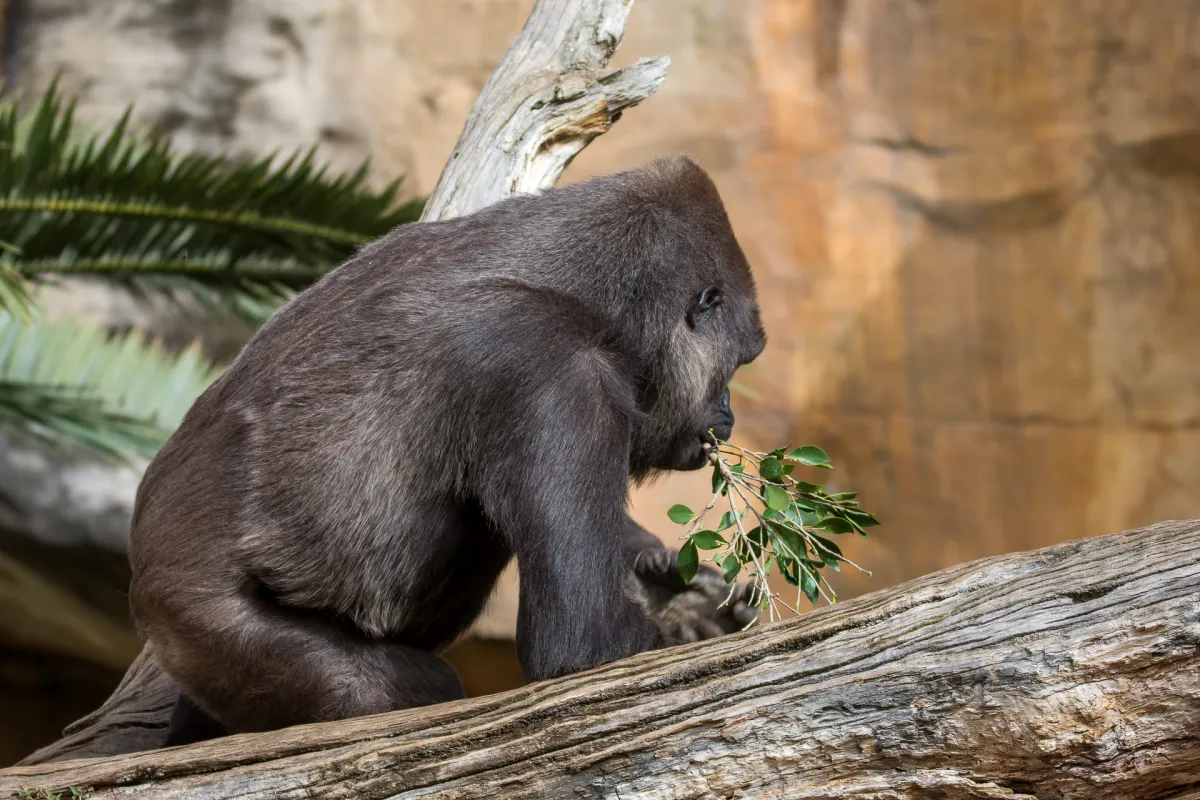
(547, 99)
(1067, 672)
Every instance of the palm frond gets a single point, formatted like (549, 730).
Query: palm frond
(65, 381)
(57, 415)
(14, 298)
(129, 207)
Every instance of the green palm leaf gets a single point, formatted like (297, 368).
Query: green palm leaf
(13, 296)
(69, 382)
(130, 208)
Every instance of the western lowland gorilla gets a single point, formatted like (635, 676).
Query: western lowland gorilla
(337, 507)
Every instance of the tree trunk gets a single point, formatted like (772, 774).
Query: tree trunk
(547, 99)
(1068, 672)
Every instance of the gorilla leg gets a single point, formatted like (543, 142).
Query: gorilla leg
(253, 665)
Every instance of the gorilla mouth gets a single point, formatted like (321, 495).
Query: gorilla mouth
(722, 433)
(709, 441)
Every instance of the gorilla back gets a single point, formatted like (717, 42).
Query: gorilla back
(337, 507)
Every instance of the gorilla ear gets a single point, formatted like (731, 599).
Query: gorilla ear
(709, 299)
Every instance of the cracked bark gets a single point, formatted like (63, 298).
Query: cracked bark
(1068, 672)
(546, 100)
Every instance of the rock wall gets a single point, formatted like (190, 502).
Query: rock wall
(972, 221)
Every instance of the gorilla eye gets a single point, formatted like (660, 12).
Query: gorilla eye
(709, 299)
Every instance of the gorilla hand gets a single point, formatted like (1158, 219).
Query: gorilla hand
(687, 612)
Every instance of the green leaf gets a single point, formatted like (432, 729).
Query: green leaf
(843, 496)
(857, 528)
(787, 568)
(811, 456)
(829, 552)
(808, 585)
(862, 518)
(718, 480)
(680, 514)
(835, 525)
(738, 469)
(728, 520)
(688, 562)
(794, 511)
(791, 541)
(730, 568)
(771, 469)
(812, 488)
(750, 546)
(707, 540)
(776, 497)
(806, 517)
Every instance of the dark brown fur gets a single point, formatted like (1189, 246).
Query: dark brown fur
(337, 507)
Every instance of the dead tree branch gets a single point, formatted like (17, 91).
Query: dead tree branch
(547, 99)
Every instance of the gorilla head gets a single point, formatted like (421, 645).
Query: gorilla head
(689, 303)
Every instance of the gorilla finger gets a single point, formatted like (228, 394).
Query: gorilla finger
(733, 620)
(653, 563)
(687, 634)
(727, 596)
(744, 614)
(748, 596)
(709, 629)
(742, 592)
(659, 566)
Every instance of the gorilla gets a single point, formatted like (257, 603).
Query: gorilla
(337, 507)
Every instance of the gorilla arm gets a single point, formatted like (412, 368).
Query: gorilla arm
(558, 496)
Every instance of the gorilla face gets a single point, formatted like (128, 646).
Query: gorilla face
(720, 332)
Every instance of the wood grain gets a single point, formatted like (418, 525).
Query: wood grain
(1067, 672)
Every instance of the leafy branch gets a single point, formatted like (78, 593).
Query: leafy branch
(792, 519)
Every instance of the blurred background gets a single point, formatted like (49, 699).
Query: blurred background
(973, 225)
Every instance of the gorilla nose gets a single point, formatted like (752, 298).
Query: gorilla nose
(724, 428)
